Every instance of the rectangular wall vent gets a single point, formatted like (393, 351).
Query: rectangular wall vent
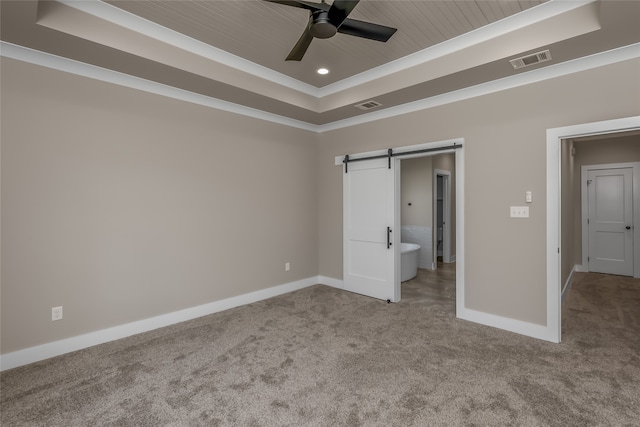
(535, 58)
(368, 105)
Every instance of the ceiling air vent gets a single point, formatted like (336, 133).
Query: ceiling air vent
(534, 58)
(368, 105)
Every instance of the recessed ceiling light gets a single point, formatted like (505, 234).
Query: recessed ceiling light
(322, 71)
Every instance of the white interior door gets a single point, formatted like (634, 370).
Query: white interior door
(610, 221)
(371, 242)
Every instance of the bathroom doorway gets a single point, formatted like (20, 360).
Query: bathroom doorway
(427, 211)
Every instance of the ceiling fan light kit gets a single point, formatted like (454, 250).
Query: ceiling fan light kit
(325, 21)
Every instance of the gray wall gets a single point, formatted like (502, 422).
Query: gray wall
(417, 189)
(121, 205)
(505, 155)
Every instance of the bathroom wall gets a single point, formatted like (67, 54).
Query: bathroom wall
(416, 196)
(417, 202)
(416, 206)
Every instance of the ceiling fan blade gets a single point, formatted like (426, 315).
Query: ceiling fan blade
(339, 11)
(302, 4)
(366, 30)
(301, 46)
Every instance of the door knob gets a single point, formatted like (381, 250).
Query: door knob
(628, 227)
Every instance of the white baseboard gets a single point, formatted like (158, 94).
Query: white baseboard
(330, 281)
(57, 348)
(580, 268)
(512, 325)
(567, 284)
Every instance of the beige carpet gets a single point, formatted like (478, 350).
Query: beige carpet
(322, 357)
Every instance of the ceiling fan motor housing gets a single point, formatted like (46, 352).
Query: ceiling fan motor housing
(321, 27)
(325, 21)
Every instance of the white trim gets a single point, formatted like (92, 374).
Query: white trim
(512, 325)
(78, 68)
(476, 37)
(554, 139)
(330, 281)
(57, 348)
(580, 268)
(155, 31)
(519, 21)
(460, 233)
(511, 82)
(635, 166)
(43, 59)
(553, 239)
(567, 284)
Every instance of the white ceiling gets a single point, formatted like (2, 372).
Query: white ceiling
(265, 32)
(233, 51)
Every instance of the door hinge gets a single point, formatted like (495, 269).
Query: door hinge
(587, 220)
(589, 182)
(588, 259)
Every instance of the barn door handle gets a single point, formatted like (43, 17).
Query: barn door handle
(388, 237)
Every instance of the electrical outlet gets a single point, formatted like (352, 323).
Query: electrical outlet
(56, 313)
(287, 266)
(519, 211)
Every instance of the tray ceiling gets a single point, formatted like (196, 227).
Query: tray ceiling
(233, 51)
(264, 32)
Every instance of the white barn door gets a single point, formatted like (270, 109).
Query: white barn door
(610, 195)
(371, 243)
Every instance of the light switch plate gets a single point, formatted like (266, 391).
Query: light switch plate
(519, 211)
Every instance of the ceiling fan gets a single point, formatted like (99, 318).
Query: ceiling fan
(325, 21)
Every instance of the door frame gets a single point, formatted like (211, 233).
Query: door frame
(446, 216)
(554, 141)
(636, 211)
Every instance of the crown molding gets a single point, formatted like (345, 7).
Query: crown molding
(122, 18)
(111, 26)
(553, 71)
(47, 60)
(78, 68)
(480, 35)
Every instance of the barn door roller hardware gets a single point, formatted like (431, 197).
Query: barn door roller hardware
(347, 159)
